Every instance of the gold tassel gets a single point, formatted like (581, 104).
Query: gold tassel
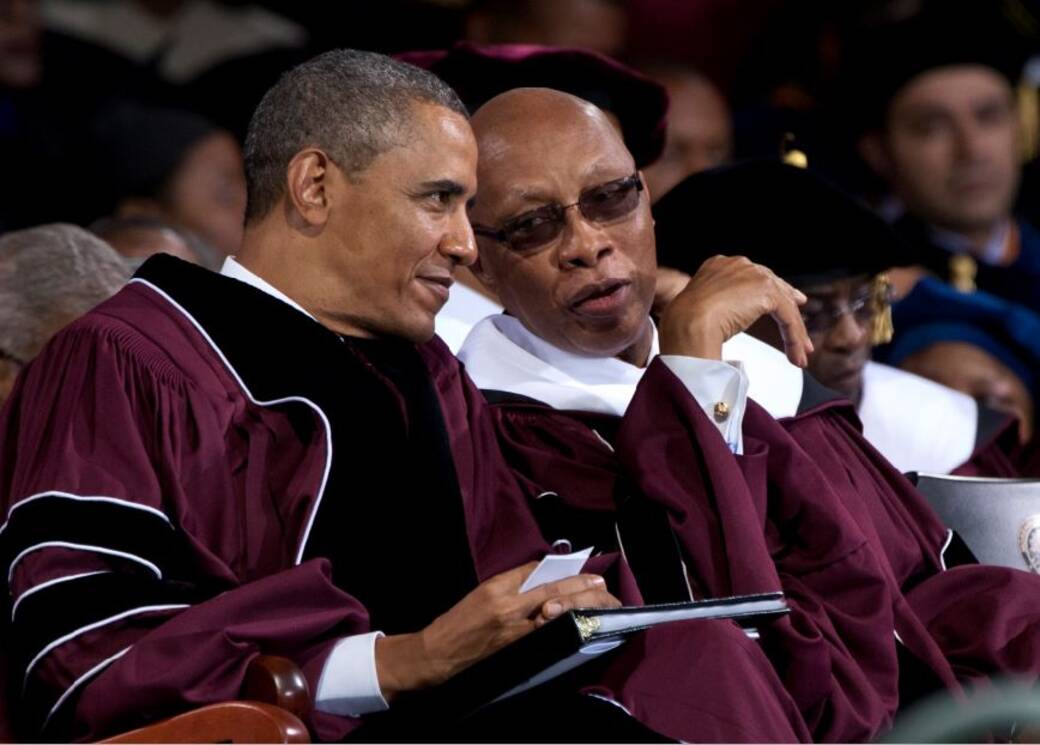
(882, 330)
(1029, 120)
(963, 269)
(790, 155)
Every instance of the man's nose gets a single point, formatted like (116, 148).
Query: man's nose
(585, 243)
(847, 333)
(970, 139)
(458, 242)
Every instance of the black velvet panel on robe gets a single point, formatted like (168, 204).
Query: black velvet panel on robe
(403, 466)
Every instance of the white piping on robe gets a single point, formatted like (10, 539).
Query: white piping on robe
(80, 498)
(273, 402)
(81, 547)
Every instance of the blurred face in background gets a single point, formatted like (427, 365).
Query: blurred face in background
(700, 131)
(970, 369)
(839, 317)
(207, 192)
(950, 148)
(20, 65)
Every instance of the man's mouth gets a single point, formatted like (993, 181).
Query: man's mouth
(600, 298)
(438, 284)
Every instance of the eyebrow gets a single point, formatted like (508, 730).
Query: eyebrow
(452, 187)
(599, 172)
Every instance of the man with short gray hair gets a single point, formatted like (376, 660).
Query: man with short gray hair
(283, 459)
(49, 276)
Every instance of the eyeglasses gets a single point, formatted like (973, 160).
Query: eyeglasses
(603, 203)
(862, 308)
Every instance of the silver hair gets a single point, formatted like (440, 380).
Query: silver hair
(353, 105)
(49, 276)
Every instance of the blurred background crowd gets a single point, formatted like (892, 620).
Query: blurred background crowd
(126, 117)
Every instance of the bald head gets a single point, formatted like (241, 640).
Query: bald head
(528, 122)
(580, 278)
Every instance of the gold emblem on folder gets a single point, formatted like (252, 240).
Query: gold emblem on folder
(962, 272)
(587, 627)
(1029, 542)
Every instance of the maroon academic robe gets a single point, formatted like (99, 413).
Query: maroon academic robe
(194, 473)
(1002, 456)
(742, 529)
(985, 619)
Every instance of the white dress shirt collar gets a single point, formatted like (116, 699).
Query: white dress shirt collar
(233, 269)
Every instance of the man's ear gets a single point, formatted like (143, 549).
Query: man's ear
(872, 149)
(307, 185)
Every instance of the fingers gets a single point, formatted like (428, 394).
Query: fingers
(592, 598)
(797, 344)
(534, 599)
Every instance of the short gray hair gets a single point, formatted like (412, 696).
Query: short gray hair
(352, 105)
(49, 276)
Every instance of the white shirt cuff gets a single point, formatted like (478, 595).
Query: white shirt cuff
(720, 389)
(349, 685)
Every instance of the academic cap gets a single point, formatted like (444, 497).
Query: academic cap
(935, 312)
(883, 59)
(787, 218)
(478, 73)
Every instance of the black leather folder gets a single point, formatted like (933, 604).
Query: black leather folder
(580, 636)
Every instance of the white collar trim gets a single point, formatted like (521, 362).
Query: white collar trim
(233, 269)
(501, 354)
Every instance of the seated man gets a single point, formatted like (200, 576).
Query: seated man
(571, 356)
(984, 346)
(836, 251)
(279, 459)
(573, 367)
(49, 276)
(939, 121)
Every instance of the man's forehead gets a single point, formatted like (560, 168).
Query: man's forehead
(520, 115)
(950, 85)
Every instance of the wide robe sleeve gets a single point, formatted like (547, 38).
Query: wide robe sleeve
(835, 654)
(984, 619)
(130, 542)
(743, 532)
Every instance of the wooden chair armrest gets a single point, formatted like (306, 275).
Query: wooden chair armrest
(233, 721)
(277, 681)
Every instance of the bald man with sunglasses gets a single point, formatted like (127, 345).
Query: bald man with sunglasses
(646, 419)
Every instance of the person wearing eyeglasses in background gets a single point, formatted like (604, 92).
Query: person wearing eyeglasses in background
(826, 244)
(838, 253)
